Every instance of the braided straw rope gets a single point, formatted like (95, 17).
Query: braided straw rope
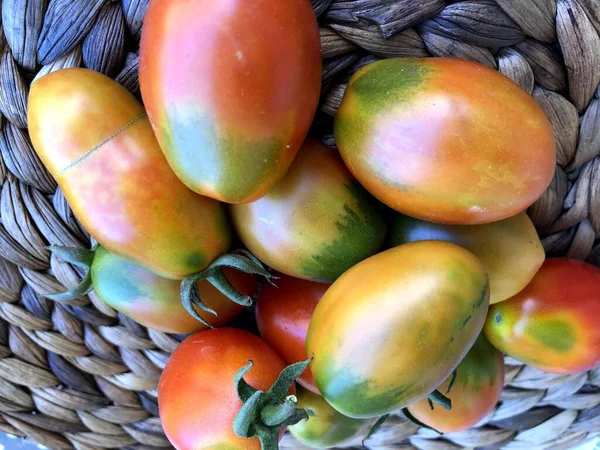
(78, 375)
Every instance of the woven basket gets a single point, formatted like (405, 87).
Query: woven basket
(78, 375)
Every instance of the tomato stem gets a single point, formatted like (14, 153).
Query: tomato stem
(264, 414)
(375, 428)
(80, 257)
(416, 421)
(440, 399)
(275, 415)
(241, 260)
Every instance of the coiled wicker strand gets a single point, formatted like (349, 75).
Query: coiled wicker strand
(78, 375)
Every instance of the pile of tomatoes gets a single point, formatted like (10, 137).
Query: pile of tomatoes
(389, 274)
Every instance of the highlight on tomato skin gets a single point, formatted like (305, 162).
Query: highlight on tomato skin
(510, 249)
(428, 298)
(95, 139)
(283, 313)
(316, 223)
(196, 393)
(231, 88)
(326, 428)
(552, 324)
(155, 302)
(445, 140)
(474, 394)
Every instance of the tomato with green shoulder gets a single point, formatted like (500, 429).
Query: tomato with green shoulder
(231, 88)
(391, 329)
(316, 223)
(445, 140)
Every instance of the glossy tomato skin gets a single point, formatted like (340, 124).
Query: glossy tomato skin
(552, 324)
(196, 394)
(474, 394)
(326, 428)
(94, 138)
(445, 140)
(316, 223)
(392, 328)
(231, 88)
(154, 301)
(510, 249)
(283, 313)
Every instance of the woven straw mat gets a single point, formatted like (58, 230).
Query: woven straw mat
(78, 375)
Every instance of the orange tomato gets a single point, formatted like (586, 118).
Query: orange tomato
(95, 139)
(474, 394)
(445, 140)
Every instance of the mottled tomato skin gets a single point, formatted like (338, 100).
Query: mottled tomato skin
(231, 88)
(510, 249)
(326, 428)
(474, 394)
(94, 138)
(445, 140)
(393, 327)
(283, 313)
(552, 324)
(154, 301)
(196, 395)
(316, 223)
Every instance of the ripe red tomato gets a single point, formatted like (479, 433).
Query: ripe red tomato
(445, 140)
(196, 393)
(231, 87)
(95, 139)
(283, 314)
(552, 324)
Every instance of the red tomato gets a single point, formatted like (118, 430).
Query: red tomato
(552, 324)
(283, 314)
(196, 394)
(231, 88)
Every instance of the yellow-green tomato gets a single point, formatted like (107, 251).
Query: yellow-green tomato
(154, 301)
(325, 427)
(510, 249)
(394, 326)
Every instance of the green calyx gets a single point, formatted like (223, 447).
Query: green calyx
(241, 260)
(79, 257)
(264, 414)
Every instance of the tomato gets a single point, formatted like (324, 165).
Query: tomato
(552, 324)
(393, 327)
(154, 301)
(94, 138)
(510, 249)
(474, 394)
(283, 313)
(326, 427)
(197, 398)
(445, 140)
(231, 88)
(314, 224)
